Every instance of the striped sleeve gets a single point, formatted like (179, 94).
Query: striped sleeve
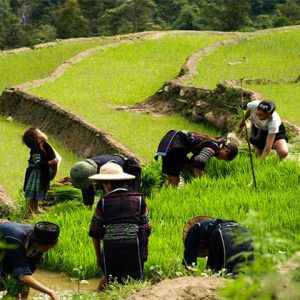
(203, 157)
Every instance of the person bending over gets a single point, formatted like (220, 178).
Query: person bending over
(121, 222)
(176, 145)
(81, 171)
(227, 244)
(24, 246)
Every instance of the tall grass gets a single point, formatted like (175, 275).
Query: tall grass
(272, 56)
(39, 63)
(226, 192)
(125, 75)
(14, 156)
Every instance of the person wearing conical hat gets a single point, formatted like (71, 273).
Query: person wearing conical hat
(121, 222)
(176, 145)
(267, 129)
(225, 243)
(81, 171)
(22, 247)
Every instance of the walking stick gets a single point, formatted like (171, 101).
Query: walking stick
(247, 137)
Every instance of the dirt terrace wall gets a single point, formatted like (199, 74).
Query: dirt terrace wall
(6, 203)
(74, 133)
(219, 107)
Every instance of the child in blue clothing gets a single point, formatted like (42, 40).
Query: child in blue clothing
(42, 166)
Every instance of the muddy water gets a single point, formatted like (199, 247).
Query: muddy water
(61, 282)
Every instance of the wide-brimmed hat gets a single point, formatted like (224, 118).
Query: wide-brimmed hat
(202, 250)
(81, 172)
(45, 233)
(111, 171)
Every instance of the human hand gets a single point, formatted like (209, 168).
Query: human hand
(53, 162)
(54, 296)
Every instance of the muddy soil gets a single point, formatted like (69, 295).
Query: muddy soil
(184, 288)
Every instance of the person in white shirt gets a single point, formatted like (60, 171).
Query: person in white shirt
(267, 130)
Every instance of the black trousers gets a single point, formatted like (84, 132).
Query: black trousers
(122, 259)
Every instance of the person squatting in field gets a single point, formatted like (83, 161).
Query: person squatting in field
(227, 244)
(42, 167)
(176, 145)
(267, 130)
(23, 246)
(81, 171)
(121, 221)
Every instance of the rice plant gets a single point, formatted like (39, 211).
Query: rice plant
(226, 194)
(39, 63)
(124, 75)
(270, 60)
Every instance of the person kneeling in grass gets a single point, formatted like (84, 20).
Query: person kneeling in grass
(121, 221)
(267, 130)
(176, 145)
(227, 244)
(22, 248)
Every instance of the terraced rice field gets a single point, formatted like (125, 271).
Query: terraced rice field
(272, 57)
(124, 75)
(130, 73)
(39, 63)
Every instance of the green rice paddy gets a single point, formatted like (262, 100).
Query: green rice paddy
(273, 56)
(39, 63)
(226, 193)
(14, 156)
(125, 75)
(130, 73)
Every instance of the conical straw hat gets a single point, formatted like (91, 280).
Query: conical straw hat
(202, 251)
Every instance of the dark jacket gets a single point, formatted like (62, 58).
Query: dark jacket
(122, 207)
(15, 261)
(229, 244)
(187, 142)
(39, 160)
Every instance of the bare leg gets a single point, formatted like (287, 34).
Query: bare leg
(33, 206)
(197, 172)
(281, 148)
(173, 181)
(102, 284)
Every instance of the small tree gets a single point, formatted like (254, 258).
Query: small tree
(236, 14)
(70, 21)
(290, 10)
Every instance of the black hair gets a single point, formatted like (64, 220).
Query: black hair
(29, 137)
(267, 106)
(115, 184)
(233, 151)
(45, 233)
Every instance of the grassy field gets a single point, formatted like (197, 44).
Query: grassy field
(125, 75)
(128, 74)
(39, 63)
(226, 193)
(14, 156)
(273, 56)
